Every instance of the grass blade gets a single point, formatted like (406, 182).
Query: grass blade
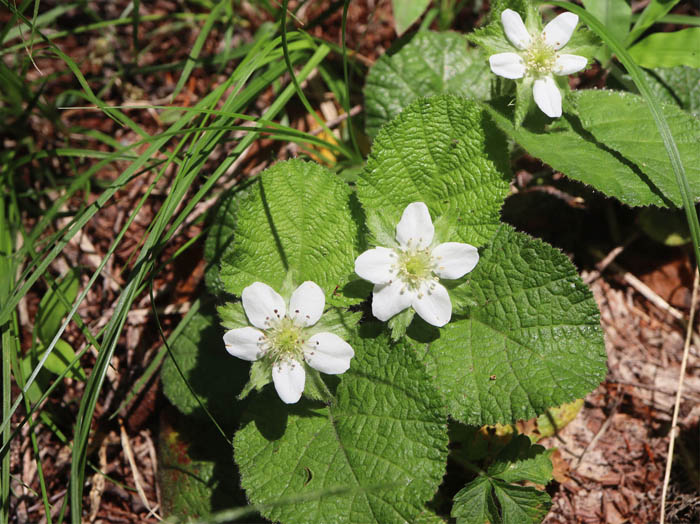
(197, 48)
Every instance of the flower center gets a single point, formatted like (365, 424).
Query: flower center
(285, 339)
(540, 57)
(415, 267)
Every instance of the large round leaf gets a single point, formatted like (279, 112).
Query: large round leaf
(375, 455)
(430, 64)
(443, 151)
(296, 218)
(533, 340)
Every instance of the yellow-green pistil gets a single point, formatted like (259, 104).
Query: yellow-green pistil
(539, 57)
(284, 340)
(414, 267)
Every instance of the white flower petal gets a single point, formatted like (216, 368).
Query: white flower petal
(328, 353)
(508, 65)
(558, 32)
(262, 304)
(244, 343)
(289, 378)
(569, 64)
(547, 96)
(434, 305)
(415, 226)
(515, 29)
(388, 300)
(307, 303)
(375, 265)
(455, 259)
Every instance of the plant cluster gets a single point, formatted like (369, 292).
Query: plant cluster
(386, 321)
(438, 317)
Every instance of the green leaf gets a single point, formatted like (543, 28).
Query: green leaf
(533, 341)
(667, 226)
(296, 218)
(430, 64)
(41, 383)
(614, 14)
(653, 12)
(381, 445)
(260, 376)
(218, 245)
(679, 85)
(398, 324)
(672, 85)
(195, 470)
(520, 505)
(567, 146)
(622, 121)
(59, 359)
(196, 473)
(428, 516)
(668, 49)
(583, 43)
(406, 12)
(474, 504)
(443, 151)
(52, 309)
(338, 321)
(215, 376)
(232, 315)
(524, 101)
(521, 461)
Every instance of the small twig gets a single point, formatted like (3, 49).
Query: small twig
(98, 483)
(333, 122)
(570, 200)
(154, 463)
(126, 445)
(602, 429)
(676, 407)
(644, 290)
(337, 120)
(138, 316)
(609, 259)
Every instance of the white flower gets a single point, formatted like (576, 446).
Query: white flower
(282, 335)
(408, 276)
(538, 57)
